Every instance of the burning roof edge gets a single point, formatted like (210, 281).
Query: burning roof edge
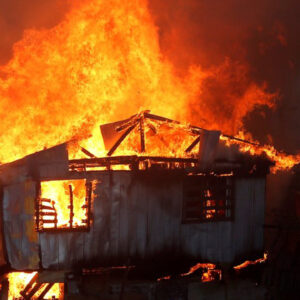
(57, 156)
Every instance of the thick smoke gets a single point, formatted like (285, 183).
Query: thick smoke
(258, 40)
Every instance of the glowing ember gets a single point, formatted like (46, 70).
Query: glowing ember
(248, 262)
(19, 280)
(58, 192)
(210, 274)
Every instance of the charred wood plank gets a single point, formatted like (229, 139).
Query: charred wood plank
(240, 140)
(29, 285)
(42, 213)
(48, 221)
(132, 121)
(71, 205)
(194, 129)
(142, 134)
(120, 140)
(45, 207)
(87, 152)
(192, 146)
(46, 200)
(45, 291)
(33, 291)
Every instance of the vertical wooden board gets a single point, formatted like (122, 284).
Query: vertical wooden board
(259, 214)
(132, 221)
(245, 224)
(115, 214)
(70, 249)
(174, 220)
(49, 250)
(155, 220)
(124, 218)
(241, 215)
(225, 234)
(141, 219)
(2, 244)
(18, 223)
(96, 241)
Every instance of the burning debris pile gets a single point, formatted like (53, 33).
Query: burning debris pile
(25, 286)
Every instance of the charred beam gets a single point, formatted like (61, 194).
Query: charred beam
(29, 285)
(71, 206)
(87, 152)
(120, 140)
(46, 207)
(45, 291)
(48, 221)
(42, 213)
(192, 146)
(33, 291)
(142, 135)
(240, 140)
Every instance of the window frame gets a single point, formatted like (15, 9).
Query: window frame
(200, 183)
(88, 206)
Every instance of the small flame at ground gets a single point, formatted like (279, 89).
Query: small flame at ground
(210, 272)
(249, 262)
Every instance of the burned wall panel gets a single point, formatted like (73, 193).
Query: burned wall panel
(140, 218)
(247, 234)
(21, 239)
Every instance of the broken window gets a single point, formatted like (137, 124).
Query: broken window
(64, 204)
(207, 198)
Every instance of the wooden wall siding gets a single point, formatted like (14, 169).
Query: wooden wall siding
(46, 164)
(141, 218)
(21, 240)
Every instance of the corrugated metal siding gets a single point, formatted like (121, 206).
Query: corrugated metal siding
(141, 218)
(21, 240)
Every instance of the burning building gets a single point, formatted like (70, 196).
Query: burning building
(156, 205)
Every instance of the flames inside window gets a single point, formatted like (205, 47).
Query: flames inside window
(64, 204)
(207, 198)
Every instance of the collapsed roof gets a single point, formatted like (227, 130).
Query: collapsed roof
(193, 147)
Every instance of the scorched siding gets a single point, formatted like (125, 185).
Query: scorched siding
(140, 217)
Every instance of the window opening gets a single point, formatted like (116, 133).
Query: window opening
(207, 198)
(64, 204)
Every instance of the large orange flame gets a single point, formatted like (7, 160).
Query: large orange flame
(18, 282)
(103, 62)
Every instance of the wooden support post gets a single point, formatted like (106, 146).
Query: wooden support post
(142, 134)
(71, 206)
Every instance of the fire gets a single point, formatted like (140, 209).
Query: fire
(282, 161)
(19, 280)
(248, 262)
(58, 192)
(210, 272)
(102, 63)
